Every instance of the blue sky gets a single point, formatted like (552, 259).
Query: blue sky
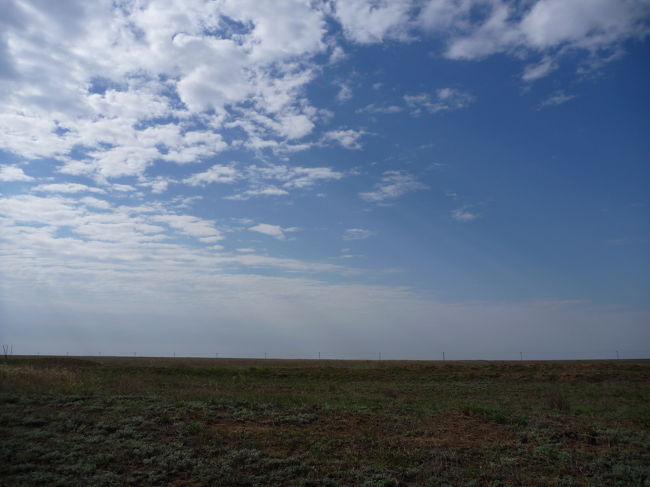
(349, 177)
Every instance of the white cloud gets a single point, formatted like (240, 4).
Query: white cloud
(368, 21)
(492, 33)
(149, 83)
(278, 179)
(557, 98)
(124, 188)
(536, 71)
(442, 15)
(445, 99)
(216, 174)
(589, 24)
(95, 203)
(393, 184)
(305, 177)
(126, 66)
(107, 250)
(66, 188)
(13, 174)
(158, 185)
(272, 230)
(372, 108)
(337, 55)
(347, 138)
(357, 234)
(345, 92)
(262, 191)
(464, 214)
(190, 225)
(546, 26)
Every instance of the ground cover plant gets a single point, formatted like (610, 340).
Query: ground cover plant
(236, 422)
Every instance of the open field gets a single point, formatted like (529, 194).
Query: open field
(189, 422)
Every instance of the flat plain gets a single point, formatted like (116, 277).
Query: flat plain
(112, 421)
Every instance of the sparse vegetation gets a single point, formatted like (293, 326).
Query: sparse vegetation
(151, 422)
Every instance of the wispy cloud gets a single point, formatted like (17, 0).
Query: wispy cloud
(444, 99)
(386, 109)
(261, 191)
(277, 179)
(272, 230)
(464, 214)
(66, 188)
(536, 71)
(357, 234)
(557, 98)
(393, 184)
(345, 92)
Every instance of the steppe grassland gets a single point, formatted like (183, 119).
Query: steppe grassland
(154, 421)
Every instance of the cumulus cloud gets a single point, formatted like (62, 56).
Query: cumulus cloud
(474, 29)
(393, 184)
(13, 174)
(158, 185)
(347, 138)
(216, 174)
(484, 27)
(95, 203)
(269, 180)
(132, 90)
(163, 82)
(372, 21)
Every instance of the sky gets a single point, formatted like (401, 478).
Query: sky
(353, 177)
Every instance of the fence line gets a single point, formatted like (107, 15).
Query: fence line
(443, 355)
